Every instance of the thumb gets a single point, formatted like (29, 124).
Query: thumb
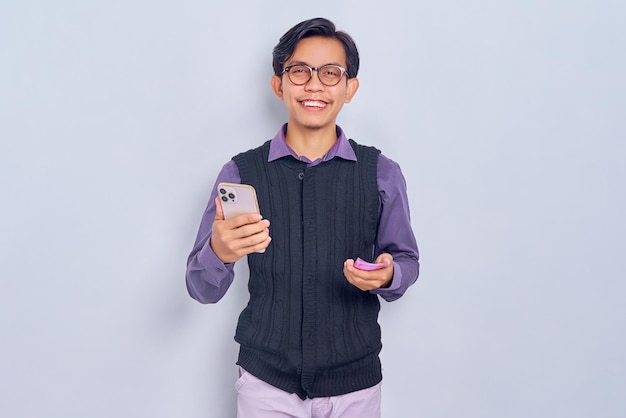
(219, 212)
(384, 258)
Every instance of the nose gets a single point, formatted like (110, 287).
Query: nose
(314, 83)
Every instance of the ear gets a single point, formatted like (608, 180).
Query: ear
(353, 86)
(277, 86)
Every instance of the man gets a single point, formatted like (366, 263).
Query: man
(309, 336)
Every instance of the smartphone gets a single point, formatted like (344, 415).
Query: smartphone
(364, 265)
(237, 199)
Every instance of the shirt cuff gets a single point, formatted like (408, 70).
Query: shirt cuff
(215, 268)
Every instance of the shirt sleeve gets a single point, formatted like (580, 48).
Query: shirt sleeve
(395, 235)
(208, 278)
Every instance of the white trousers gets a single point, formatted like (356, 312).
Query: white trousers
(257, 399)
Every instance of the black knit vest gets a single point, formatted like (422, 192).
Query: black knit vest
(306, 330)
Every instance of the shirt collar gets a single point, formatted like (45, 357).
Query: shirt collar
(341, 148)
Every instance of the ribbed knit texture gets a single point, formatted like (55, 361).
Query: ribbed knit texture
(306, 330)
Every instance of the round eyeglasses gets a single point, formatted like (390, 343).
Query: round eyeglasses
(329, 75)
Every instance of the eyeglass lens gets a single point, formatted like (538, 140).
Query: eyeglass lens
(329, 75)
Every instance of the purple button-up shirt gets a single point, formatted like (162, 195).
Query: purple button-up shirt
(208, 278)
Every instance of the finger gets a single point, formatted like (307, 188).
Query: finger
(367, 280)
(244, 220)
(249, 229)
(384, 258)
(252, 234)
(249, 245)
(260, 247)
(352, 274)
(219, 212)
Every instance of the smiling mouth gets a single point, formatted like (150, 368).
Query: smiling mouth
(314, 104)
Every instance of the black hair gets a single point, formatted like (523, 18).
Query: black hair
(309, 28)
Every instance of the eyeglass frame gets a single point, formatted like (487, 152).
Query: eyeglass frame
(317, 69)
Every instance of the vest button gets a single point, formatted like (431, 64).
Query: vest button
(301, 176)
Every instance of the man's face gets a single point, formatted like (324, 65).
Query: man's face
(313, 105)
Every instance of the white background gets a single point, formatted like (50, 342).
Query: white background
(507, 117)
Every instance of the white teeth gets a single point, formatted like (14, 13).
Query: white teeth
(313, 104)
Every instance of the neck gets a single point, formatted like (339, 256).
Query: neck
(311, 143)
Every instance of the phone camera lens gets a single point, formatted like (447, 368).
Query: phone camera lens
(231, 195)
(222, 191)
(224, 199)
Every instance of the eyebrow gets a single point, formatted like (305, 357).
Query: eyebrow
(292, 63)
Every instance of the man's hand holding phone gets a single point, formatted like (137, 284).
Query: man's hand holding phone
(370, 275)
(241, 235)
